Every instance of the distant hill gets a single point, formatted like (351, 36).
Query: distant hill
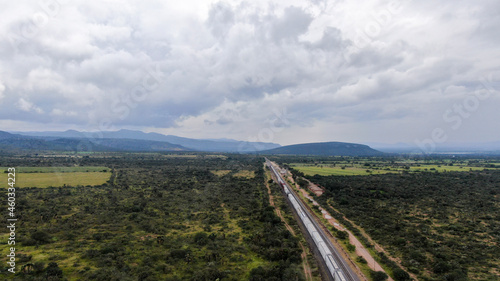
(18, 142)
(325, 149)
(216, 145)
(490, 148)
(6, 135)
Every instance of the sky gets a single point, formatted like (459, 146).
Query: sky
(421, 72)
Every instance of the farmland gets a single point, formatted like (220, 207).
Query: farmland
(245, 174)
(54, 169)
(378, 166)
(43, 177)
(42, 180)
(339, 171)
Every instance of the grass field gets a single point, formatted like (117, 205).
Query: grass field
(195, 156)
(445, 168)
(220, 173)
(337, 171)
(360, 169)
(57, 169)
(57, 179)
(245, 174)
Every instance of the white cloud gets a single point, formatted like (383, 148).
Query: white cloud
(2, 90)
(27, 106)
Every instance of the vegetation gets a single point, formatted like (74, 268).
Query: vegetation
(312, 170)
(344, 166)
(195, 216)
(57, 176)
(57, 169)
(221, 173)
(42, 180)
(245, 174)
(441, 225)
(156, 218)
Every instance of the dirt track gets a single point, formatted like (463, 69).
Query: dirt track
(360, 249)
(314, 188)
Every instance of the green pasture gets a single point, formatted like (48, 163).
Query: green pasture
(440, 168)
(57, 169)
(220, 173)
(58, 179)
(245, 174)
(56, 176)
(360, 169)
(337, 171)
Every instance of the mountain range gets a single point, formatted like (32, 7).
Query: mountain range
(128, 140)
(222, 145)
(15, 142)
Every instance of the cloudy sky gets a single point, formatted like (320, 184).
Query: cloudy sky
(280, 71)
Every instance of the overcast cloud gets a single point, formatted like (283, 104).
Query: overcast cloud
(281, 71)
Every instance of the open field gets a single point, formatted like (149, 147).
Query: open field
(57, 176)
(43, 180)
(220, 173)
(370, 168)
(338, 171)
(245, 174)
(241, 173)
(178, 155)
(57, 169)
(439, 168)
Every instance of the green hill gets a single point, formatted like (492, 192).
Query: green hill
(325, 149)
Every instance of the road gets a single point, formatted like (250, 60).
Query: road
(344, 267)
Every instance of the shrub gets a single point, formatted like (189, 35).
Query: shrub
(378, 275)
(351, 247)
(40, 237)
(360, 259)
(201, 238)
(401, 275)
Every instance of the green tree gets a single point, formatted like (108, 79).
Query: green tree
(378, 275)
(53, 272)
(401, 275)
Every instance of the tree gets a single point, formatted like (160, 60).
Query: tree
(342, 235)
(53, 272)
(201, 238)
(378, 275)
(360, 259)
(40, 237)
(401, 275)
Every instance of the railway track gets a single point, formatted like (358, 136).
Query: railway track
(335, 264)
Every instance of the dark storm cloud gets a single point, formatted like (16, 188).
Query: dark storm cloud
(188, 67)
